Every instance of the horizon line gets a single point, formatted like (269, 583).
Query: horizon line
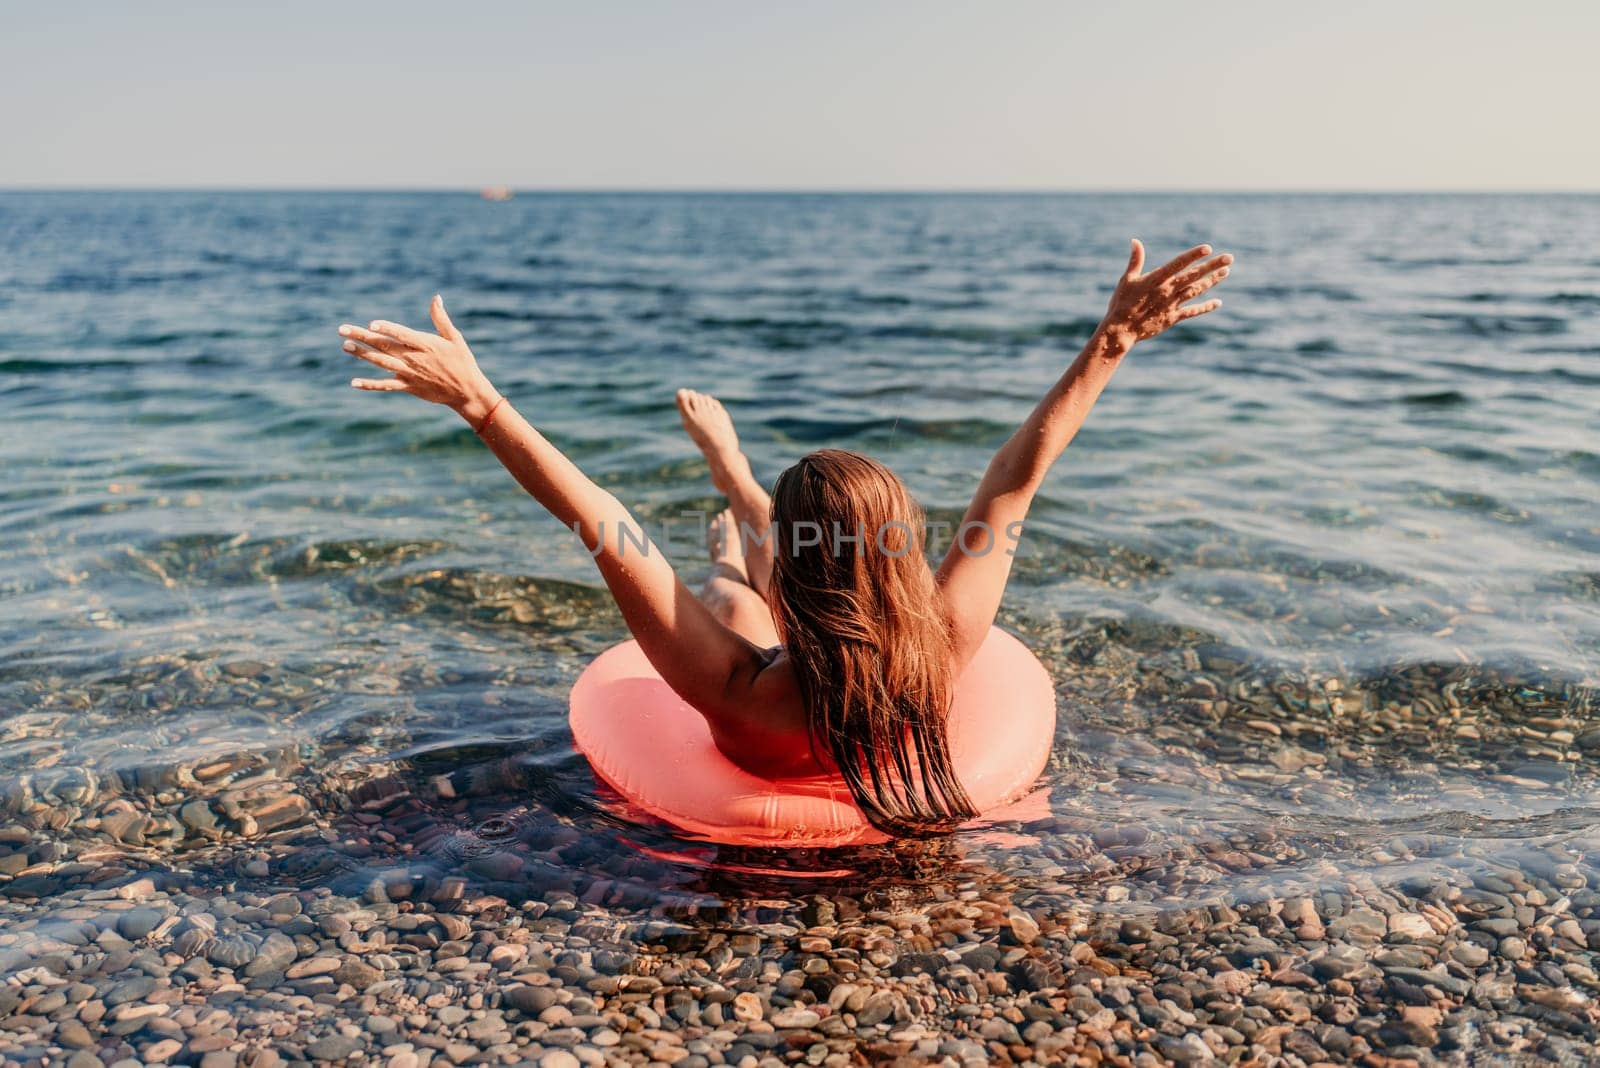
(711, 190)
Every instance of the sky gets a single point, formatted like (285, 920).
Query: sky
(985, 94)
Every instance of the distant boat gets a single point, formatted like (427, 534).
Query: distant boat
(497, 192)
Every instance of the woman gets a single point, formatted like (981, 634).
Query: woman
(822, 639)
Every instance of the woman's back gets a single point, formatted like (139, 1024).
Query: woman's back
(866, 636)
(774, 739)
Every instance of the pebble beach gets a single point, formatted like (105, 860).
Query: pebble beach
(438, 926)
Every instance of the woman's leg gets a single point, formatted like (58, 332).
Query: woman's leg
(711, 428)
(728, 592)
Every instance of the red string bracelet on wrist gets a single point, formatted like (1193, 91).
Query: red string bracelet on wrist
(492, 409)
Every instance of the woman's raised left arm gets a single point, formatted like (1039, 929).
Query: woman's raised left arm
(707, 664)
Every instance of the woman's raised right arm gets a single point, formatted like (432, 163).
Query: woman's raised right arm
(973, 576)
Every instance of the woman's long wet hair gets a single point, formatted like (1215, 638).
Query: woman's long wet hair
(859, 614)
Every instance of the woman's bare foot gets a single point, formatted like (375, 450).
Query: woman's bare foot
(728, 592)
(710, 427)
(724, 544)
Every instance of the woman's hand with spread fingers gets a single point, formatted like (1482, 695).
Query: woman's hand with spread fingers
(436, 367)
(1144, 305)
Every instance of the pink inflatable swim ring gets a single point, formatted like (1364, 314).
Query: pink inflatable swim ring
(656, 751)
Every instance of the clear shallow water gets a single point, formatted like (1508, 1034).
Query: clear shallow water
(1319, 582)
